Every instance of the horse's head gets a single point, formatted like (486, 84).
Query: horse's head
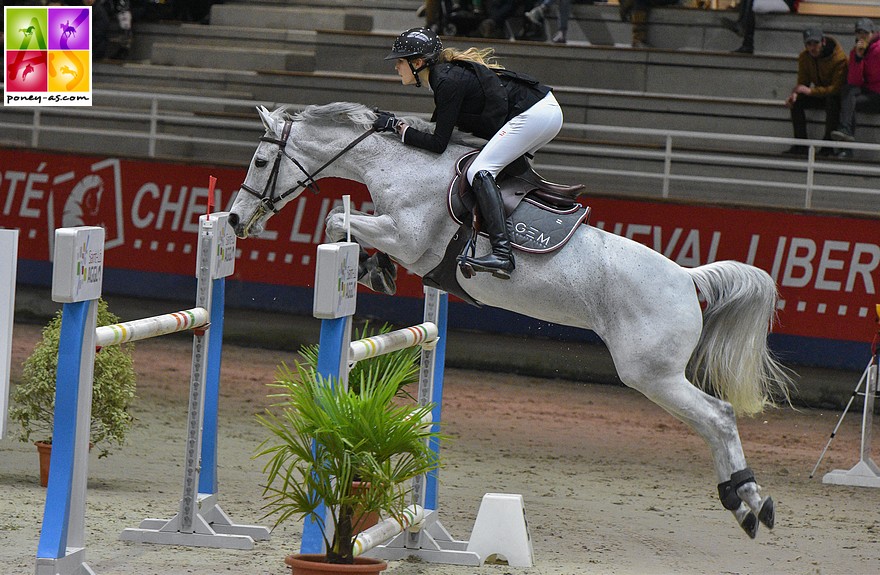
(260, 193)
(289, 159)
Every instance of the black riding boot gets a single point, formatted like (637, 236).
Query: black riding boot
(500, 262)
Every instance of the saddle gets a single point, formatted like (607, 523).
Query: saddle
(541, 217)
(517, 181)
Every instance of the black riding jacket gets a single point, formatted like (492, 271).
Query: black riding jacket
(476, 99)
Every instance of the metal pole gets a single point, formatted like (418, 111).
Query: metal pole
(667, 165)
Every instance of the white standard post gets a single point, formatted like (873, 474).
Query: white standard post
(8, 261)
(190, 527)
(431, 543)
(865, 473)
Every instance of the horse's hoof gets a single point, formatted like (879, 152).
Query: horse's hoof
(767, 514)
(750, 525)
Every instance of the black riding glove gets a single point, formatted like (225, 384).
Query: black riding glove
(386, 122)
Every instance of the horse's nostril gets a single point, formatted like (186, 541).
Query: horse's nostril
(233, 219)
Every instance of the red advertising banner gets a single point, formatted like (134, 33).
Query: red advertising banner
(826, 266)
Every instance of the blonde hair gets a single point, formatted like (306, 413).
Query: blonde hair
(484, 56)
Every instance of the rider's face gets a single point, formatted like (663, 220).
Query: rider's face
(403, 70)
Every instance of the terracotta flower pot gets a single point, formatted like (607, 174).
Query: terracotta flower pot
(314, 564)
(363, 521)
(45, 452)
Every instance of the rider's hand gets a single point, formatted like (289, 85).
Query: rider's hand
(385, 122)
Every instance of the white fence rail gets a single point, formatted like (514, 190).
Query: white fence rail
(611, 153)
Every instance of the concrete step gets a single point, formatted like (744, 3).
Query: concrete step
(765, 117)
(190, 35)
(250, 15)
(661, 71)
(851, 8)
(388, 15)
(233, 58)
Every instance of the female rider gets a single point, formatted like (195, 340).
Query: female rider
(514, 112)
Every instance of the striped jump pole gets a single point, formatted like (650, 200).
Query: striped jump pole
(384, 343)
(151, 327)
(411, 518)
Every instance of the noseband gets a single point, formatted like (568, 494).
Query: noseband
(268, 197)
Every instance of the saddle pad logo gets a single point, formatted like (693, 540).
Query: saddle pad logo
(47, 56)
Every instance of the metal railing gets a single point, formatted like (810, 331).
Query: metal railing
(720, 156)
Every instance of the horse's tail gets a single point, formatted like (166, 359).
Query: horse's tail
(732, 357)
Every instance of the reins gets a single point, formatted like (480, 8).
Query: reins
(268, 198)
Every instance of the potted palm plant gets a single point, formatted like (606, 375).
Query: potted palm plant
(113, 389)
(322, 436)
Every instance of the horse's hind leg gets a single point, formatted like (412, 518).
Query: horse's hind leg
(715, 422)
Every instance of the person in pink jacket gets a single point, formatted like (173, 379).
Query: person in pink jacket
(862, 90)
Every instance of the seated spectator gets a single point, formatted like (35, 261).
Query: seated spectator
(862, 90)
(744, 26)
(637, 11)
(536, 16)
(498, 13)
(820, 78)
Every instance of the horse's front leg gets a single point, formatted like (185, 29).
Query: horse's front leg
(380, 232)
(377, 271)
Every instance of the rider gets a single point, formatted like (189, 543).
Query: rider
(514, 112)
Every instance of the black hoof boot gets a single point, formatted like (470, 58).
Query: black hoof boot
(750, 525)
(767, 514)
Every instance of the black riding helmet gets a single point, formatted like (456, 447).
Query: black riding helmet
(417, 43)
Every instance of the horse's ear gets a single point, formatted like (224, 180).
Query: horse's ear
(266, 117)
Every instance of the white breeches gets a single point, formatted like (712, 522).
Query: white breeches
(525, 133)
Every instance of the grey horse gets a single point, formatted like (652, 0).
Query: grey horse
(645, 307)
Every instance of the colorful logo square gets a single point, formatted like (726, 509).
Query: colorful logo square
(47, 56)
(69, 29)
(26, 71)
(26, 28)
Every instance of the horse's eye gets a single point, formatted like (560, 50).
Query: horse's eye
(261, 162)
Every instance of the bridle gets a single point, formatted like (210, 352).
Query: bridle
(268, 197)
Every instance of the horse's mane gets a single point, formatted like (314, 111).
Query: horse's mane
(357, 114)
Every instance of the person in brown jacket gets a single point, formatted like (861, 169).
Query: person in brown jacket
(821, 75)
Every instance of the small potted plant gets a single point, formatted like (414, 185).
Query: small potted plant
(112, 391)
(323, 436)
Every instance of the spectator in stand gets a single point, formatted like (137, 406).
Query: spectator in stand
(536, 16)
(862, 90)
(498, 13)
(744, 26)
(636, 11)
(820, 78)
